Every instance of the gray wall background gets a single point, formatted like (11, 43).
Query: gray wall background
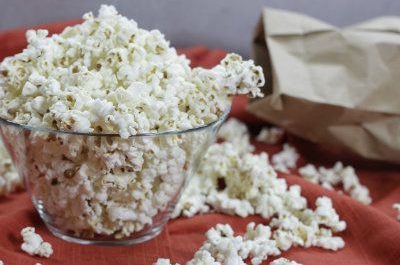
(224, 24)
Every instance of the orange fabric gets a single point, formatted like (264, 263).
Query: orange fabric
(372, 236)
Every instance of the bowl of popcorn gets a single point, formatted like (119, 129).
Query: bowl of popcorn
(106, 123)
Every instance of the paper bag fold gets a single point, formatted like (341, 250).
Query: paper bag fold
(338, 87)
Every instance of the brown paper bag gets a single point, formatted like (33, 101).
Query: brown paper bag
(337, 87)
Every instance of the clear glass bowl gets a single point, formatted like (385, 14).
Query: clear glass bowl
(101, 188)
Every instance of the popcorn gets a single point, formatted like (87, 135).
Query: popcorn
(327, 216)
(286, 159)
(308, 228)
(203, 257)
(243, 176)
(223, 247)
(109, 185)
(34, 244)
(108, 76)
(9, 178)
(396, 206)
(272, 135)
(1, 262)
(337, 175)
(164, 262)
(284, 261)
(235, 132)
(235, 182)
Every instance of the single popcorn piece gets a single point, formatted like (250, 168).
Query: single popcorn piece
(284, 261)
(164, 262)
(327, 216)
(9, 178)
(285, 159)
(107, 75)
(396, 206)
(203, 257)
(270, 135)
(335, 176)
(236, 132)
(34, 244)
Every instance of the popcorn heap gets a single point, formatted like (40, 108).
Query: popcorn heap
(285, 159)
(9, 178)
(106, 75)
(235, 182)
(34, 244)
(337, 175)
(222, 247)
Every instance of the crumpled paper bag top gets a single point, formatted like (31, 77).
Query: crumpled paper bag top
(332, 86)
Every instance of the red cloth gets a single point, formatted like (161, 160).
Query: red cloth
(372, 236)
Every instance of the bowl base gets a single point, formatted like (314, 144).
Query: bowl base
(150, 234)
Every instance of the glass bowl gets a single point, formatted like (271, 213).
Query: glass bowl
(101, 188)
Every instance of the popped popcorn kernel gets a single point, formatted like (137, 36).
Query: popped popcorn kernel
(33, 243)
(164, 262)
(396, 206)
(285, 159)
(236, 132)
(271, 135)
(284, 261)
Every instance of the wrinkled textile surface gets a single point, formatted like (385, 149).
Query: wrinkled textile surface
(372, 236)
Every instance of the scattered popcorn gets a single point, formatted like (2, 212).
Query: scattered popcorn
(286, 159)
(272, 135)
(107, 75)
(236, 132)
(34, 244)
(396, 206)
(299, 230)
(222, 247)
(9, 178)
(235, 182)
(284, 261)
(337, 175)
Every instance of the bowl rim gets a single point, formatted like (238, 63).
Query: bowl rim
(220, 119)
